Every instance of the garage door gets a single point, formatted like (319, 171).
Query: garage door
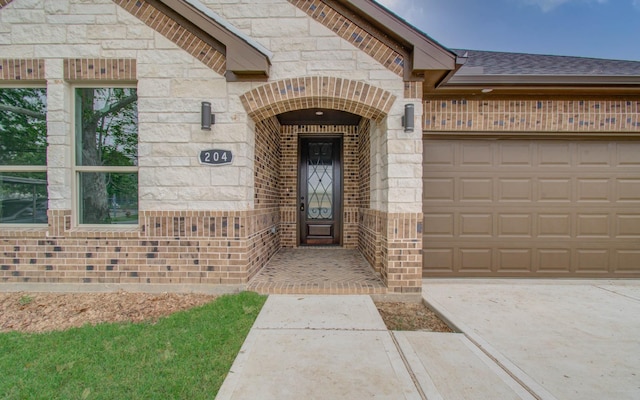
(531, 208)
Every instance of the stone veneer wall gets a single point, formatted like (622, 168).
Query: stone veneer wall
(326, 13)
(532, 116)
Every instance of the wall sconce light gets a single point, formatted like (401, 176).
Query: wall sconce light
(407, 118)
(207, 119)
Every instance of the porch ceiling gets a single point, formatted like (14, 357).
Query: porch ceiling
(318, 116)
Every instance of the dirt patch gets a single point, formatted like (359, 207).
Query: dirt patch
(411, 317)
(41, 312)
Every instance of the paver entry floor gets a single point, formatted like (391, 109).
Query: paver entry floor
(317, 270)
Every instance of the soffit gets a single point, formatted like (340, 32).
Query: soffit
(318, 116)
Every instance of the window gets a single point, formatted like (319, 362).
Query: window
(106, 166)
(23, 155)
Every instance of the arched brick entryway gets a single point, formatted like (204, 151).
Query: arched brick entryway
(276, 154)
(356, 97)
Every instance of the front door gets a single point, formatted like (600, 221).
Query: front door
(320, 190)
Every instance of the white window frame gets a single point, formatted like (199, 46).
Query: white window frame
(27, 168)
(76, 169)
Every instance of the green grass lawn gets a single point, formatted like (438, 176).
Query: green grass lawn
(184, 356)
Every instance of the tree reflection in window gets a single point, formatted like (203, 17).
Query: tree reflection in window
(23, 144)
(107, 155)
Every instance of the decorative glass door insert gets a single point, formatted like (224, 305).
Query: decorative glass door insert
(320, 190)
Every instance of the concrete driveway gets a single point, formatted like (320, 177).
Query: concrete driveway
(562, 339)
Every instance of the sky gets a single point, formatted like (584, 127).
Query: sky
(607, 29)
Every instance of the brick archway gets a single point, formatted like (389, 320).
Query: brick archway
(356, 97)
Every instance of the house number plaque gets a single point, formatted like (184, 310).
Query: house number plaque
(216, 157)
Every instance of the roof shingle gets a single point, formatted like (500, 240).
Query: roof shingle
(501, 63)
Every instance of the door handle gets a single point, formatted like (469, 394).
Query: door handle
(301, 206)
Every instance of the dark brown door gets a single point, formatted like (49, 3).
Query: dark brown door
(320, 189)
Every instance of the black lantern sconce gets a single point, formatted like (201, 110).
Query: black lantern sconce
(207, 119)
(407, 118)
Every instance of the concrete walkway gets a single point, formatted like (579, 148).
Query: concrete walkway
(562, 339)
(522, 339)
(337, 347)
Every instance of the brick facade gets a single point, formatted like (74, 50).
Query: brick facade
(402, 251)
(529, 116)
(317, 92)
(167, 248)
(22, 70)
(100, 69)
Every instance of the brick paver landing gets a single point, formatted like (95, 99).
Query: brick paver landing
(324, 270)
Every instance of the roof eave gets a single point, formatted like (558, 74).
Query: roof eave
(243, 57)
(426, 54)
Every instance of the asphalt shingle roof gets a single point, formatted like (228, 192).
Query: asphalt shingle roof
(499, 63)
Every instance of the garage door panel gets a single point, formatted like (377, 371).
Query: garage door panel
(439, 189)
(515, 226)
(554, 155)
(554, 225)
(515, 260)
(594, 154)
(439, 225)
(593, 260)
(554, 260)
(594, 190)
(627, 154)
(593, 226)
(475, 260)
(476, 189)
(554, 190)
(439, 154)
(628, 226)
(438, 259)
(538, 208)
(476, 225)
(518, 154)
(515, 190)
(628, 190)
(627, 260)
(476, 154)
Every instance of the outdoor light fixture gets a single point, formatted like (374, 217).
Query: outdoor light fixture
(407, 118)
(207, 119)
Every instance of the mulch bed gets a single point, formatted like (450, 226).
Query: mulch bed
(42, 312)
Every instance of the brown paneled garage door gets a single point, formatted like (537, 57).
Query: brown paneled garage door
(531, 208)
